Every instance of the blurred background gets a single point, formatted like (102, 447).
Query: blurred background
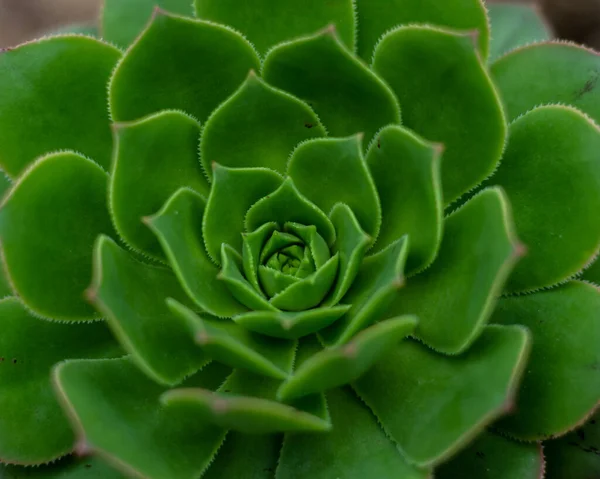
(21, 20)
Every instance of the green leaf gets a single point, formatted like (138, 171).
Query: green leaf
(258, 126)
(56, 88)
(341, 365)
(572, 74)
(415, 390)
(308, 292)
(230, 344)
(33, 428)
(346, 95)
(556, 213)
(447, 97)
(48, 224)
(377, 17)
(267, 23)
(68, 468)
(132, 297)
(122, 22)
(406, 172)
(281, 324)
(378, 280)
(356, 448)
(116, 413)
(233, 192)
(576, 454)
(515, 26)
(454, 298)
(178, 227)
(316, 244)
(253, 244)
(592, 272)
(273, 281)
(160, 152)
(166, 68)
(561, 386)
(287, 205)
(351, 245)
(494, 457)
(342, 177)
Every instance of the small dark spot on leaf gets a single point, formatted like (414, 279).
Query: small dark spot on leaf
(378, 142)
(581, 434)
(88, 466)
(480, 455)
(593, 421)
(1, 360)
(14, 360)
(227, 391)
(308, 125)
(269, 469)
(589, 86)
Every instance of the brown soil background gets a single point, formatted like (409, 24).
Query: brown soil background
(21, 20)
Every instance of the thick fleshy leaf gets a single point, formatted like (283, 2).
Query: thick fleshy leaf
(161, 153)
(575, 455)
(514, 26)
(273, 281)
(116, 413)
(331, 171)
(68, 468)
(341, 365)
(132, 296)
(346, 95)
(573, 71)
(356, 447)
(166, 68)
(446, 96)
(233, 192)
(378, 280)
(406, 171)
(122, 22)
(494, 457)
(316, 244)
(561, 386)
(551, 174)
(48, 224)
(178, 227)
(267, 23)
(287, 205)
(281, 324)
(415, 390)
(376, 17)
(258, 126)
(66, 74)
(230, 344)
(33, 428)
(454, 298)
(308, 292)
(351, 244)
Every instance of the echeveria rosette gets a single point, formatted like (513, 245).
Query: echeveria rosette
(303, 245)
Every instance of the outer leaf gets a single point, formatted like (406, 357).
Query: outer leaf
(574, 72)
(48, 224)
(494, 457)
(230, 344)
(65, 74)
(178, 227)
(556, 214)
(406, 171)
(330, 171)
(69, 468)
(561, 386)
(378, 280)
(116, 412)
(341, 365)
(268, 23)
(454, 298)
(160, 153)
(287, 205)
(233, 192)
(356, 448)
(33, 428)
(345, 94)
(132, 297)
(281, 324)
(257, 126)
(123, 21)
(414, 390)
(514, 26)
(446, 96)
(158, 72)
(376, 17)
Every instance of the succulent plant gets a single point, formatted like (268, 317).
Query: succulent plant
(304, 240)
